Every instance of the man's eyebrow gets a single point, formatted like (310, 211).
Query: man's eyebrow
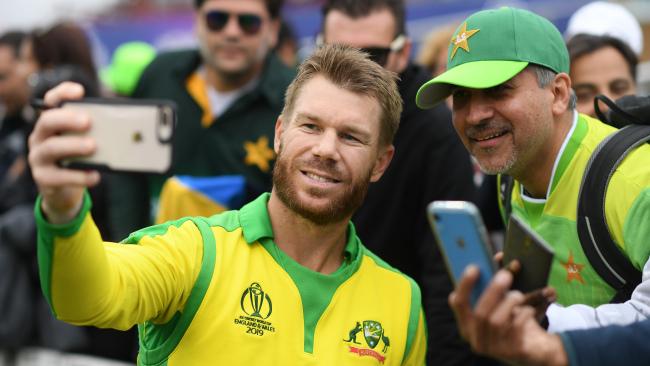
(584, 86)
(307, 116)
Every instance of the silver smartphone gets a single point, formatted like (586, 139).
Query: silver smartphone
(463, 240)
(131, 135)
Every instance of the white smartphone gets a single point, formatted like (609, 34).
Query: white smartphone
(131, 135)
(462, 237)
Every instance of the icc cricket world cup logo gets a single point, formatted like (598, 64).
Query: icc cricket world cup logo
(255, 302)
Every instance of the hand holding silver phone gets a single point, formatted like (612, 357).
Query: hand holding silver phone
(130, 135)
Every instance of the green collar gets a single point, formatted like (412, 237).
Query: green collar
(256, 224)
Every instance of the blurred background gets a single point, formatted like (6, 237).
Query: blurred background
(167, 24)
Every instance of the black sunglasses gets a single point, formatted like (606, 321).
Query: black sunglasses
(216, 20)
(380, 54)
(376, 54)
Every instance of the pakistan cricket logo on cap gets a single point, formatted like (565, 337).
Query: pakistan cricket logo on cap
(459, 40)
(373, 333)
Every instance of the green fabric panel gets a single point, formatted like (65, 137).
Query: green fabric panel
(534, 210)
(154, 230)
(167, 336)
(45, 241)
(416, 302)
(228, 220)
(635, 230)
(316, 289)
(560, 233)
(570, 150)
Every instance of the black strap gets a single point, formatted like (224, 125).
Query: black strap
(603, 254)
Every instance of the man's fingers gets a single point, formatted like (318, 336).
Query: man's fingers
(65, 91)
(459, 299)
(56, 148)
(56, 121)
(53, 177)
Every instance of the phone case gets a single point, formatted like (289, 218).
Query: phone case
(532, 252)
(131, 135)
(462, 237)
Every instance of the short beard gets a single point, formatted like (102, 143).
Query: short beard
(502, 169)
(339, 208)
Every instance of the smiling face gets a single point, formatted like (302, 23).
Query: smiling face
(508, 128)
(328, 152)
(603, 71)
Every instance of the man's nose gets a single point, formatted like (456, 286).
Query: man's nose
(326, 146)
(479, 109)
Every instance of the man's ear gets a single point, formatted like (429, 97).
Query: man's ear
(561, 89)
(278, 134)
(382, 162)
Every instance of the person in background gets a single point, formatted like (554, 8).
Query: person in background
(600, 65)
(17, 194)
(433, 51)
(287, 47)
(228, 93)
(127, 64)
(430, 163)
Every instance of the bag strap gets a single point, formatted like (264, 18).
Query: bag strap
(599, 247)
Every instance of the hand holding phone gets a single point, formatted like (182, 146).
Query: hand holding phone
(462, 238)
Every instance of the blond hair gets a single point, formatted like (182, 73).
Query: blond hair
(352, 70)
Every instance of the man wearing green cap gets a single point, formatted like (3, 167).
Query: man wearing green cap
(514, 109)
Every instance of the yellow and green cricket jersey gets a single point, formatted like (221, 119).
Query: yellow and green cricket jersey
(218, 291)
(627, 211)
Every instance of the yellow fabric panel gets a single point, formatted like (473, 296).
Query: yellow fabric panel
(631, 177)
(419, 347)
(218, 336)
(197, 88)
(118, 285)
(177, 201)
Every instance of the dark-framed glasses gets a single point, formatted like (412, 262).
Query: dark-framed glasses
(216, 20)
(377, 54)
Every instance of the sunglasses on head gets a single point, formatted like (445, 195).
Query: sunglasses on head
(377, 54)
(216, 20)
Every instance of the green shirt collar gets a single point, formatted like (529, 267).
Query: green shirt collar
(256, 224)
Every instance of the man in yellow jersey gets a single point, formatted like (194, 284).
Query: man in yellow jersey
(283, 281)
(514, 109)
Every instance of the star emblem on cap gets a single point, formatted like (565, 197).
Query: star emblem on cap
(459, 40)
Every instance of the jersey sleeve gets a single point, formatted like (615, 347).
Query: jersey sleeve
(115, 285)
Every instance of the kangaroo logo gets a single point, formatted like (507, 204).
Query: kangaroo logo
(352, 336)
(373, 333)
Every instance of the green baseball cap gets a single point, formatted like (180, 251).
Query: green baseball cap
(492, 46)
(128, 62)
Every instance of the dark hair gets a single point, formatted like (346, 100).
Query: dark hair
(13, 40)
(351, 69)
(65, 44)
(583, 44)
(362, 8)
(273, 6)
